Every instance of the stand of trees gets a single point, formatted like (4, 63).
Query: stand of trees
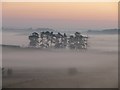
(50, 40)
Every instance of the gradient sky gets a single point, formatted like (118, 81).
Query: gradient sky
(82, 15)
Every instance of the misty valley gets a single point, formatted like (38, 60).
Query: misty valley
(94, 67)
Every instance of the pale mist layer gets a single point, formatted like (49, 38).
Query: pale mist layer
(97, 64)
(106, 42)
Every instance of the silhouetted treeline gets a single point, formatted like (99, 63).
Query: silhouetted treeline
(52, 40)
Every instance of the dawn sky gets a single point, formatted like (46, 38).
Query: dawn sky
(60, 15)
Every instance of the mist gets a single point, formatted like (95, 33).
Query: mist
(50, 67)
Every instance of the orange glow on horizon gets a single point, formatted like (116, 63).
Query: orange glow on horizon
(64, 11)
(60, 14)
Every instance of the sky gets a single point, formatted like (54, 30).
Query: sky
(60, 0)
(60, 15)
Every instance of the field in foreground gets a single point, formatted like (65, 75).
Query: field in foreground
(96, 67)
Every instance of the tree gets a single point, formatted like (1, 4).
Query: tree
(34, 39)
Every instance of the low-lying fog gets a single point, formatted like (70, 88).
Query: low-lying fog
(98, 64)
